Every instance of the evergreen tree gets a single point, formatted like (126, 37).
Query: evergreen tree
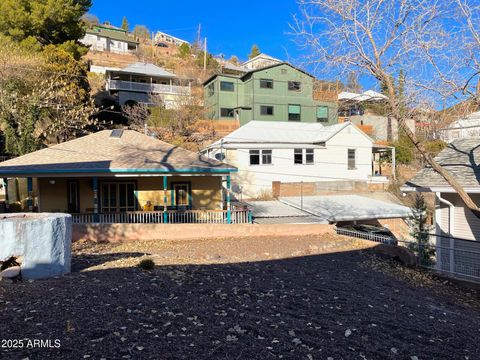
(184, 50)
(420, 231)
(254, 52)
(125, 25)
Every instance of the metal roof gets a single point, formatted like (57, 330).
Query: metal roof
(140, 68)
(281, 132)
(368, 95)
(334, 208)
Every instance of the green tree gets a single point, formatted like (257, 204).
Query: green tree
(254, 52)
(47, 21)
(125, 25)
(184, 50)
(420, 231)
(141, 32)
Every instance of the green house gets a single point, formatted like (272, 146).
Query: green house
(279, 92)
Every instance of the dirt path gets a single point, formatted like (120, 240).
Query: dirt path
(239, 299)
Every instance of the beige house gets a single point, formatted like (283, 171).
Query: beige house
(109, 176)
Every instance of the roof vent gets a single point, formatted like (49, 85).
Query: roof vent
(116, 133)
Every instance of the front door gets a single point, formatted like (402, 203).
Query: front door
(117, 197)
(73, 197)
(182, 195)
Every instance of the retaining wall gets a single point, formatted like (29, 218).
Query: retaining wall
(131, 232)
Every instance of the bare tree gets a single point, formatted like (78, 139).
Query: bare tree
(379, 39)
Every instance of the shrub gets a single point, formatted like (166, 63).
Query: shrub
(146, 265)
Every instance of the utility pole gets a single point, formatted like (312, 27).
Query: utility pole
(198, 34)
(205, 56)
(153, 46)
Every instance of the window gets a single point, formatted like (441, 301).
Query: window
(226, 112)
(266, 83)
(294, 112)
(211, 89)
(309, 157)
(283, 71)
(266, 157)
(294, 85)
(260, 157)
(351, 159)
(266, 110)
(227, 86)
(322, 113)
(298, 156)
(303, 156)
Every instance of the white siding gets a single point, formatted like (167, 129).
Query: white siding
(331, 163)
(466, 225)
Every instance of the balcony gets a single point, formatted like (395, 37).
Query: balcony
(147, 88)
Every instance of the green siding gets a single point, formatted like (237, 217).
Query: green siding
(249, 96)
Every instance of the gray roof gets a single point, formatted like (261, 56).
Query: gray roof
(335, 208)
(461, 158)
(140, 68)
(103, 154)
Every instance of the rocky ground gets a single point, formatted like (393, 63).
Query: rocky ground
(293, 298)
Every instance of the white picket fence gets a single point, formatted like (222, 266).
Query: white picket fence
(165, 217)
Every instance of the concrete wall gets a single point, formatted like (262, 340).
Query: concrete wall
(132, 232)
(384, 129)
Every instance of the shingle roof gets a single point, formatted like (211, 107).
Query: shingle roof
(281, 132)
(132, 152)
(461, 158)
(146, 69)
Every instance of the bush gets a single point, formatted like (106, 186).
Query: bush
(146, 265)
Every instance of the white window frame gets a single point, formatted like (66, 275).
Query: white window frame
(261, 154)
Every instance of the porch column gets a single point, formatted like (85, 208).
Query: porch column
(5, 185)
(165, 190)
(30, 194)
(95, 198)
(229, 211)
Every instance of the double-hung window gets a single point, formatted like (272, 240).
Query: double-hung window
(266, 83)
(351, 159)
(294, 86)
(260, 157)
(322, 113)
(266, 110)
(294, 112)
(303, 156)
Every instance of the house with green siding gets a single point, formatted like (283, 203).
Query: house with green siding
(279, 92)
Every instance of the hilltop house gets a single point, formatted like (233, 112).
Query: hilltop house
(110, 175)
(140, 82)
(260, 61)
(109, 38)
(278, 92)
(266, 152)
(161, 37)
(466, 127)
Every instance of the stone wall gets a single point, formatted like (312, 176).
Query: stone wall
(132, 232)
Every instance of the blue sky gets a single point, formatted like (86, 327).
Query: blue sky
(231, 27)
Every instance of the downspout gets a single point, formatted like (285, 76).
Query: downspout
(451, 228)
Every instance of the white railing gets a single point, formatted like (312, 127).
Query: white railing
(149, 88)
(166, 217)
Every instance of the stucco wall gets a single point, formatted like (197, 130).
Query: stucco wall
(132, 232)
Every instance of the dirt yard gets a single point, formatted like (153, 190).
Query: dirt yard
(293, 298)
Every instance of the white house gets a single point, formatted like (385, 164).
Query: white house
(110, 39)
(272, 151)
(260, 61)
(140, 82)
(463, 128)
(161, 37)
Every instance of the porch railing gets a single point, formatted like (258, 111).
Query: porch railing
(166, 217)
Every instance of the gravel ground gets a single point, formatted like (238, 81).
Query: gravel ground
(317, 298)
